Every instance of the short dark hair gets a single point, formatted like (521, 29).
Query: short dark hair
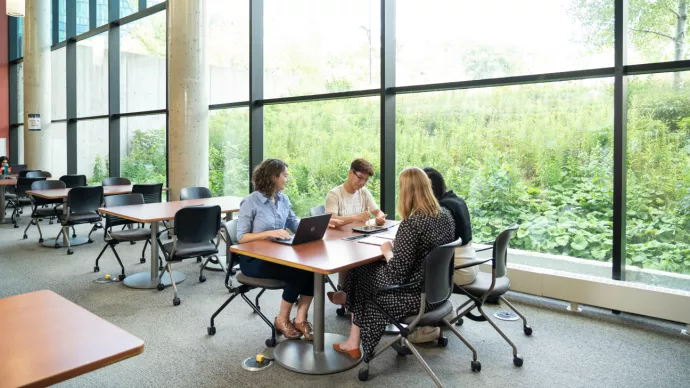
(363, 166)
(262, 177)
(438, 184)
(3, 158)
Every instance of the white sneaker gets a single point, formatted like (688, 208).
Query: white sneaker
(424, 334)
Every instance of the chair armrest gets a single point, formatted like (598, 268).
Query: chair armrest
(484, 249)
(395, 287)
(472, 263)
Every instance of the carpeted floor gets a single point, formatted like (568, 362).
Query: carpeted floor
(591, 349)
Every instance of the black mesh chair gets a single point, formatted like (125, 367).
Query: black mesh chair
(437, 286)
(153, 193)
(193, 233)
(38, 174)
(22, 198)
(43, 207)
(128, 232)
(82, 205)
(197, 192)
(317, 211)
(22, 173)
(74, 180)
(246, 284)
(115, 181)
(490, 287)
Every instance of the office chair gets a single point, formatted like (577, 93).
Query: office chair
(317, 211)
(82, 206)
(22, 173)
(490, 286)
(153, 193)
(194, 229)
(197, 192)
(115, 181)
(42, 206)
(74, 180)
(246, 284)
(22, 198)
(437, 286)
(38, 174)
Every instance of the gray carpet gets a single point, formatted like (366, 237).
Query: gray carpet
(592, 349)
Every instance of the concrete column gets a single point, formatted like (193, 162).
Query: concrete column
(188, 95)
(37, 83)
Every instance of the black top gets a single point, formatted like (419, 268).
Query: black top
(461, 215)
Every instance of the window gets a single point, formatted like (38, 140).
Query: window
(653, 31)
(228, 50)
(658, 185)
(143, 65)
(92, 76)
(101, 12)
(467, 40)
(92, 150)
(82, 16)
(318, 141)
(59, 83)
(62, 21)
(128, 7)
(19, 68)
(58, 149)
(143, 149)
(314, 46)
(20, 39)
(20, 144)
(228, 152)
(540, 156)
(151, 3)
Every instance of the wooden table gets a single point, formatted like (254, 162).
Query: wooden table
(152, 213)
(47, 339)
(63, 194)
(3, 185)
(330, 255)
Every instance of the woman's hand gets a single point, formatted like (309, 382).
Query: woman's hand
(387, 250)
(280, 234)
(334, 223)
(381, 220)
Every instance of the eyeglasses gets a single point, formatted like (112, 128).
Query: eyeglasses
(361, 178)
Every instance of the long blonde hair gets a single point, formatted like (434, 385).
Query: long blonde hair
(415, 194)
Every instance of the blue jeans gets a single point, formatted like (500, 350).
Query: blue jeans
(299, 282)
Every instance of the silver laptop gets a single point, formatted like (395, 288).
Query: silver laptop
(309, 229)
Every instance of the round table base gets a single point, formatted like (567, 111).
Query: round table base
(143, 280)
(298, 356)
(73, 242)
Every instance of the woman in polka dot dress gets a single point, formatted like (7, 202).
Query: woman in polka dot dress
(424, 227)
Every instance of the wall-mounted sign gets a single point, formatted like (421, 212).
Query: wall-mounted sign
(34, 122)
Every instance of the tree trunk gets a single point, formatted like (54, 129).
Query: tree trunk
(681, 27)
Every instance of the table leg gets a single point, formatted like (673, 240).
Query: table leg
(317, 357)
(73, 241)
(150, 279)
(2, 206)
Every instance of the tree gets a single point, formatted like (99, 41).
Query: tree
(650, 22)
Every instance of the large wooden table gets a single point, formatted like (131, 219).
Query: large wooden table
(322, 257)
(47, 339)
(152, 213)
(3, 185)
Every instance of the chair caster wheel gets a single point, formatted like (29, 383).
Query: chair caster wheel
(442, 341)
(233, 272)
(69, 251)
(90, 241)
(340, 311)
(476, 366)
(459, 322)
(132, 242)
(40, 241)
(271, 342)
(142, 260)
(202, 278)
(74, 235)
(25, 237)
(160, 287)
(527, 330)
(517, 360)
(363, 375)
(121, 277)
(211, 330)
(176, 302)
(96, 269)
(16, 226)
(198, 259)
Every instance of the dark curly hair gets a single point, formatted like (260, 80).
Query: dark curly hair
(263, 175)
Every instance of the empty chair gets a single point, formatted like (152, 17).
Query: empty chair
(437, 286)
(193, 233)
(38, 174)
(22, 173)
(197, 192)
(152, 192)
(246, 284)
(132, 234)
(491, 286)
(115, 181)
(22, 198)
(43, 207)
(82, 205)
(74, 180)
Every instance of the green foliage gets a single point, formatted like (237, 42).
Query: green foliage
(145, 161)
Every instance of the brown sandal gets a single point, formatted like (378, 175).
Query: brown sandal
(287, 329)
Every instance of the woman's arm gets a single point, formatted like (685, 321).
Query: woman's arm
(402, 254)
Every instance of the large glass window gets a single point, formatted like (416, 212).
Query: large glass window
(20, 144)
(319, 140)
(657, 31)
(128, 7)
(62, 20)
(19, 42)
(142, 149)
(82, 16)
(142, 64)
(101, 12)
(92, 150)
(58, 149)
(59, 83)
(658, 186)
(92, 76)
(228, 151)
(228, 50)
(540, 156)
(465, 40)
(315, 46)
(19, 68)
